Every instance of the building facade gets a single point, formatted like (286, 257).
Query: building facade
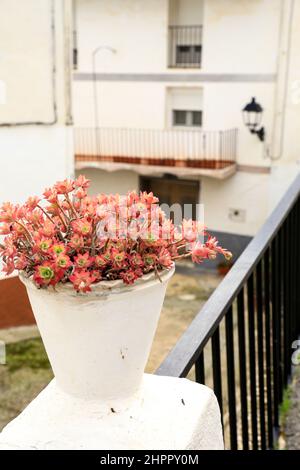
(36, 136)
(158, 90)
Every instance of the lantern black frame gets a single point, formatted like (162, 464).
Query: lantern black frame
(252, 116)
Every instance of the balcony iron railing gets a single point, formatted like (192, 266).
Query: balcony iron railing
(251, 321)
(185, 46)
(185, 148)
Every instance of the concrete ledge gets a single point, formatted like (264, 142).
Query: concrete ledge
(147, 170)
(165, 413)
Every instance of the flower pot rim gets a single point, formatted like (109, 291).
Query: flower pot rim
(102, 289)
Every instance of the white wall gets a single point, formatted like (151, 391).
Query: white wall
(133, 27)
(241, 36)
(35, 67)
(120, 104)
(33, 158)
(256, 195)
(243, 191)
(115, 182)
(290, 124)
(33, 60)
(222, 105)
(26, 53)
(185, 12)
(134, 105)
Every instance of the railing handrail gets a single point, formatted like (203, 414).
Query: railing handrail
(191, 343)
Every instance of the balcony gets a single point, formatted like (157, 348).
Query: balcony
(182, 152)
(185, 46)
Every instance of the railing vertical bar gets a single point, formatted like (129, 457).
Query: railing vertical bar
(231, 379)
(280, 315)
(242, 367)
(288, 304)
(200, 369)
(275, 323)
(216, 364)
(295, 245)
(268, 346)
(298, 264)
(286, 301)
(235, 145)
(294, 268)
(260, 350)
(252, 360)
(290, 265)
(289, 262)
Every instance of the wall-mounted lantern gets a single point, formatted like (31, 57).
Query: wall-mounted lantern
(252, 115)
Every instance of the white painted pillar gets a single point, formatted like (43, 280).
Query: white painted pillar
(98, 345)
(166, 413)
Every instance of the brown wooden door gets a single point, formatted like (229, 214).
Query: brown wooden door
(171, 191)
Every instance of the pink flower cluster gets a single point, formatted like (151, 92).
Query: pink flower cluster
(68, 236)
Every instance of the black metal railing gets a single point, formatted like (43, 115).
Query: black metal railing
(185, 46)
(160, 147)
(250, 322)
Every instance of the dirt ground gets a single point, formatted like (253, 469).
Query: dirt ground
(28, 371)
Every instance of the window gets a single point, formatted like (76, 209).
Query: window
(179, 118)
(197, 118)
(188, 55)
(187, 118)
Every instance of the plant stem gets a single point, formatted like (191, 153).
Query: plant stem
(185, 255)
(71, 206)
(47, 215)
(29, 239)
(49, 218)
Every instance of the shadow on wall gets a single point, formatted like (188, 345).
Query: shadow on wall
(15, 309)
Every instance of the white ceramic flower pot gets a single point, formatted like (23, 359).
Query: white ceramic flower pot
(98, 343)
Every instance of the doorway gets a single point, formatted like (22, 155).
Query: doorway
(171, 190)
